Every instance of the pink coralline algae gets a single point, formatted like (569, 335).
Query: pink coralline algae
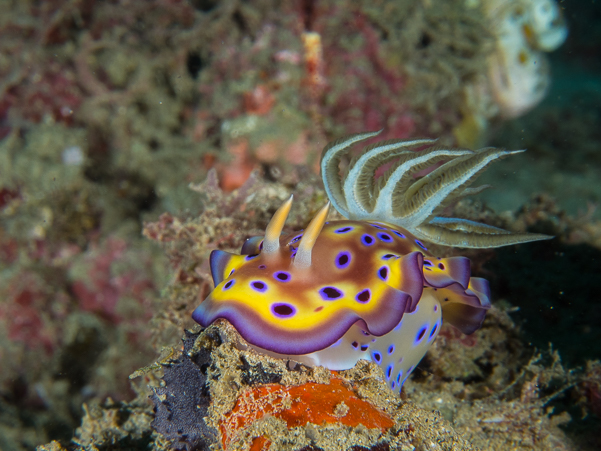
(105, 288)
(23, 312)
(51, 92)
(373, 88)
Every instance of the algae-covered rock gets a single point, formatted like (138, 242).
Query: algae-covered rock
(215, 393)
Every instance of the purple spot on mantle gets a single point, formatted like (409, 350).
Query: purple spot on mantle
(259, 286)
(367, 239)
(282, 310)
(343, 230)
(420, 244)
(390, 349)
(343, 259)
(229, 284)
(330, 293)
(282, 276)
(384, 237)
(383, 273)
(363, 296)
(441, 266)
(399, 234)
(250, 257)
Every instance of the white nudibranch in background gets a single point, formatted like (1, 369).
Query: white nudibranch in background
(518, 69)
(518, 75)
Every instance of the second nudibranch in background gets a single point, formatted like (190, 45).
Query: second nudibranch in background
(366, 287)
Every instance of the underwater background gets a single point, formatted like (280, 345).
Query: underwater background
(138, 136)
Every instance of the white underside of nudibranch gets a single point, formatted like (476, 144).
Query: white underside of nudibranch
(397, 353)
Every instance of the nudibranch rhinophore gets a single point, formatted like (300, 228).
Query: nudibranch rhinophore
(366, 287)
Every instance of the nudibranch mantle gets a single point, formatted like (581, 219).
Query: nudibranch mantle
(347, 290)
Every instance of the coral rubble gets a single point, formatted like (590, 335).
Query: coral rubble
(247, 397)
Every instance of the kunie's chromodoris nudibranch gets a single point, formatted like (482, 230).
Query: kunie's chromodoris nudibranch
(366, 287)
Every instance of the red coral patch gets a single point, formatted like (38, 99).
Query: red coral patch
(320, 404)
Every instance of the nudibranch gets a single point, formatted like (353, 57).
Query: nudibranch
(365, 287)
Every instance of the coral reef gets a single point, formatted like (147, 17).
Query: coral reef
(485, 386)
(108, 110)
(61, 343)
(265, 80)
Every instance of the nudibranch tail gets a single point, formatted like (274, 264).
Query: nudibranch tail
(271, 243)
(305, 247)
(404, 198)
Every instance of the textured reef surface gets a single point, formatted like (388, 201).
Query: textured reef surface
(214, 394)
(111, 111)
(484, 391)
